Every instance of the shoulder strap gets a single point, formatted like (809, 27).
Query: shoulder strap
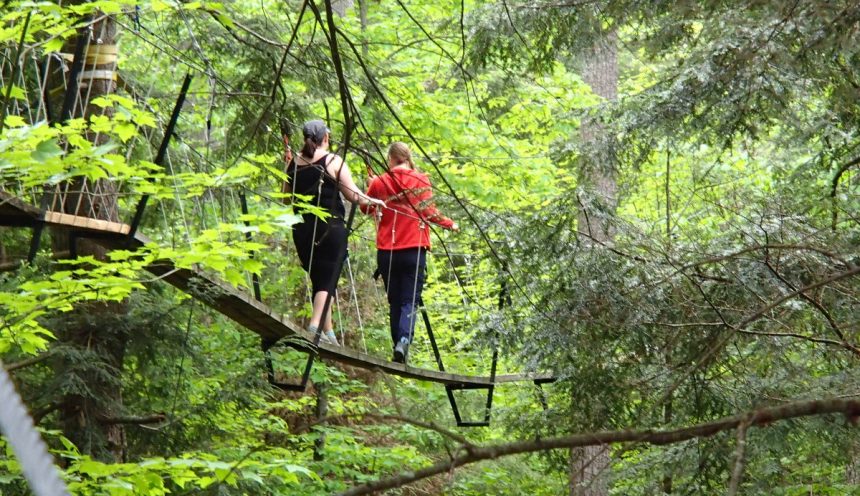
(326, 161)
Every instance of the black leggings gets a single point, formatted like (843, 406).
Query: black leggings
(403, 274)
(321, 254)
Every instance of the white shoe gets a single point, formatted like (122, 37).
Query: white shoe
(330, 337)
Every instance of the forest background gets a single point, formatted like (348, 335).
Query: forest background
(666, 190)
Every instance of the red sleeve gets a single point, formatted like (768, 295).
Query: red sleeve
(423, 203)
(373, 192)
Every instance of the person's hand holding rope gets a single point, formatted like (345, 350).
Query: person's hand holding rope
(372, 202)
(288, 152)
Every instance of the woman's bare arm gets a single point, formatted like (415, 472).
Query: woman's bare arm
(337, 168)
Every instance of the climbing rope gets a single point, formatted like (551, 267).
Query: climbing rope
(17, 426)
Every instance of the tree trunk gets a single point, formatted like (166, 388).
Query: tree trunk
(852, 470)
(597, 171)
(93, 329)
(588, 471)
(362, 16)
(321, 412)
(589, 466)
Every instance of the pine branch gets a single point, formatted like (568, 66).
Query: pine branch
(818, 306)
(721, 342)
(813, 339)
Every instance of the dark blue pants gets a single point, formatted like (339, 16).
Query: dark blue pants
(403, 274)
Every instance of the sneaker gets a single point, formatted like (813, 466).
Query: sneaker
(401, 349)
(330, 337)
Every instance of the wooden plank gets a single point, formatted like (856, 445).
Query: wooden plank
(85, 223)
(14, 207)
(255, 316)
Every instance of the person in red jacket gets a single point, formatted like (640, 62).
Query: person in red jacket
(403, 239)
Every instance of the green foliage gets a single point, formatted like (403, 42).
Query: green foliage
(732, 144)
(23, 302)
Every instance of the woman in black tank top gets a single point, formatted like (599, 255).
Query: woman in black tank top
(321, 243)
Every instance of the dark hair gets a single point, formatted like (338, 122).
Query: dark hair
(314, 132)
(310, 147)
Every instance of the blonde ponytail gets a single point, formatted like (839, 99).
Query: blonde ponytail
(401, 153)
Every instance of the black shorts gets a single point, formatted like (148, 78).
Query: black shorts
(321, 252)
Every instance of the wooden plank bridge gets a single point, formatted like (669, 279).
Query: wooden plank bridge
(235, 304)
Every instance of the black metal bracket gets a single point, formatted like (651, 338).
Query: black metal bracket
(74, 73)
(35, 241)
(540, 392)
(255, 280)
(504, 299)
(450, 388)
(270, 368)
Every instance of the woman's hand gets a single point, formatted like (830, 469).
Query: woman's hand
(455, 227)
(288, 152)
(373, 202)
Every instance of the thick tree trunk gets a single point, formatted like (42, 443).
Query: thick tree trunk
(589, 470)
(589, 466)
(93, 328)
(597, 172)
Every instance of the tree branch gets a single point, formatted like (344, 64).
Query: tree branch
(759, 417)
(259, 37)
(813, 339)
(155, 418)
(29, 361)
(742, 251)
(732, 329)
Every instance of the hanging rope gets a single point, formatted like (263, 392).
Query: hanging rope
(17, 426)
(355, 300)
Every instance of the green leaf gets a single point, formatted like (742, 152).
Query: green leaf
(15, 121)
(46, 150)
(14, 91)
(53, 45)
(125, 131)
(224, 20)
